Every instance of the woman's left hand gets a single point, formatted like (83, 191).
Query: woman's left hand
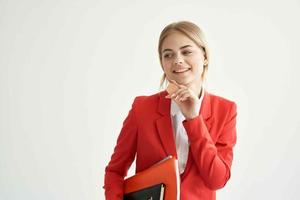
(186, 99)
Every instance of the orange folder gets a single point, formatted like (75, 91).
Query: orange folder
(165, 171)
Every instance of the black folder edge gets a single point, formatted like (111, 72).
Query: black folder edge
(162, 191)
(176, 171)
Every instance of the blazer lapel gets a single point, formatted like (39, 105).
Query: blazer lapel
(164, 123)
(205, 110)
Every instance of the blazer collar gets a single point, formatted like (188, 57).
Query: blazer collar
(164, 123)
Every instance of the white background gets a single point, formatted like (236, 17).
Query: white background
(69, 71)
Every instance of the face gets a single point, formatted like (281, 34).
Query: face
(182, 60)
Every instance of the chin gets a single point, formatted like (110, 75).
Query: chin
(185, 82)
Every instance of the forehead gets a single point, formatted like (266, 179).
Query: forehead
(175, 40)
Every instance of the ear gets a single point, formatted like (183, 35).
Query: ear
(205, 56)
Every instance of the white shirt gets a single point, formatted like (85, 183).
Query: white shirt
(181, 138)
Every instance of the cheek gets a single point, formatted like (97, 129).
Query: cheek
(166, 65)
(197, 66)
(195, 62)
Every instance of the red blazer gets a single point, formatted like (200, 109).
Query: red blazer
(147, 133)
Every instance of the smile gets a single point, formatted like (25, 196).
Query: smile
(181, 70)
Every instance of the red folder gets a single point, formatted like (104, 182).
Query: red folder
(165, 171)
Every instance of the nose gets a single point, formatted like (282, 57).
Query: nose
(178, 60)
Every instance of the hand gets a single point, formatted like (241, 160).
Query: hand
(186, 99)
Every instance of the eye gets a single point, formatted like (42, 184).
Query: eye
(168, 55)
(187, 52)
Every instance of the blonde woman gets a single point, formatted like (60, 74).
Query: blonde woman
(195, 126)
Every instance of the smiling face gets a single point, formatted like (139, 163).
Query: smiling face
(182, 60)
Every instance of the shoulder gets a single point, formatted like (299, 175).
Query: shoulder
(145, 102)
(216, 99)
(147, 99)
(222, 104)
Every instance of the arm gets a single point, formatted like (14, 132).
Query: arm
(122, 158)
(213, 160)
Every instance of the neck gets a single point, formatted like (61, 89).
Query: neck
(197, 89)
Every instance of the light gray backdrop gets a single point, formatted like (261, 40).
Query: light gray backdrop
(69, 71)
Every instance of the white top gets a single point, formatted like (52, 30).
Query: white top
(181, 138)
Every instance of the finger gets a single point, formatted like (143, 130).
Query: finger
(189, 94)
(185, 96)
(172, 88)
(168, 96)
(181, 93)
(175, 94)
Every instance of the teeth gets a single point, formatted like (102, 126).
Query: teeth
(181, 70)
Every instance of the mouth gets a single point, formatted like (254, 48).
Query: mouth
(181, 71)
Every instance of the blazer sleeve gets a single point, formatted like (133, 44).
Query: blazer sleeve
(122, 157)
(213, 159)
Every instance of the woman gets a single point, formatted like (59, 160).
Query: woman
(195, 126)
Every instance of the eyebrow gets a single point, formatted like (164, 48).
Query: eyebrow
(179, 48)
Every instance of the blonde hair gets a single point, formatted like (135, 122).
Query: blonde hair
(190, 30)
